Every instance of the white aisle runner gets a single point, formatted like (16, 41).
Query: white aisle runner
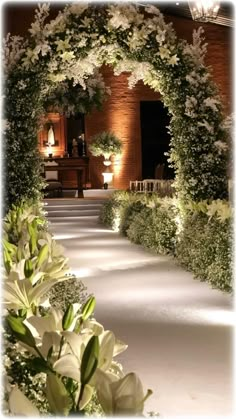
(178, 329)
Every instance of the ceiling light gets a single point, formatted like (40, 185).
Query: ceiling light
(204, 10)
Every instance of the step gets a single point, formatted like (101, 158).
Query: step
(72, 202)
(68, 220)
(61, 208)
(71, 213)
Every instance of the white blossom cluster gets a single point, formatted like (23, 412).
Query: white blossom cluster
(13, 49)
(197, 50)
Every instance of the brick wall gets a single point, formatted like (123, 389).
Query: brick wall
(121, 113)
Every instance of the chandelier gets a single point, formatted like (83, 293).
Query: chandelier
(204, 10)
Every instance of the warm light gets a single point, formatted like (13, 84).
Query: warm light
(107, 162)
(107, 176)
(204, 10)
(49, 150)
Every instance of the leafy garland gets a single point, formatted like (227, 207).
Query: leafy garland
(130, 38)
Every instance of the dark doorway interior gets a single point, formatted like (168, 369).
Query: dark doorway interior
(155, 138)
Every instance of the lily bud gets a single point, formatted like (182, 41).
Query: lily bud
(89, 360)
(42, 256)
(88, 308)
(28, 268)
(68, 317)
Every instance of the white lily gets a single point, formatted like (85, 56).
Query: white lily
(19, 405)
(124, 396)
(21, 294)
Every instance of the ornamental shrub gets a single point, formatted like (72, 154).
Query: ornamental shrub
(128, 212)
(138, 226)
(204, 246)
(113, 209)
(105, 144)
(160, 231)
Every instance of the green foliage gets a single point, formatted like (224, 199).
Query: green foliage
(138, 226)
(22, 219)
(105, 144)
(128, 212)
(154, 228)
(203, 242)
(22, 110)
(205, 246)
(111, 209)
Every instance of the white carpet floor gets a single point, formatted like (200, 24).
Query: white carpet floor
(179, 331)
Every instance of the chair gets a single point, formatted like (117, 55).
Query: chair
(54, 186)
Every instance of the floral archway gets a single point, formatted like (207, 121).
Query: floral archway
(129, 38)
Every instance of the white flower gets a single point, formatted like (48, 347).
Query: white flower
(119, 397)
(119, 21)
(35, 28)
(62, 45)
(21, 85)
(206, 124)
(191, 104)
(57, 77)
(160, 36)
(164, 52)
(221, 146)
(210, 102)
(137, 39)
(67, 56)
(173, 60)
(31, 57)
(197, 50)
(19, 405)
(221, 208)
(78, 9)
(152, 10)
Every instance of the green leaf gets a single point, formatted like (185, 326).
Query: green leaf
(7, 261)
(89, 360)
(68, 317)
(20, 330)
(39, 365)
(59, 401)
(88, 308)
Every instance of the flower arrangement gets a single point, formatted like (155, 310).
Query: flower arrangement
(129, 38)
(70, 98)
(67, 348)
(105, 144)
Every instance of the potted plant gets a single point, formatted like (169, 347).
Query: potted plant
(105, 144)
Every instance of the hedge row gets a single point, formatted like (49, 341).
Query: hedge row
(202, 243)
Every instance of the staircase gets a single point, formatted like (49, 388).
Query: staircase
(61, 210)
